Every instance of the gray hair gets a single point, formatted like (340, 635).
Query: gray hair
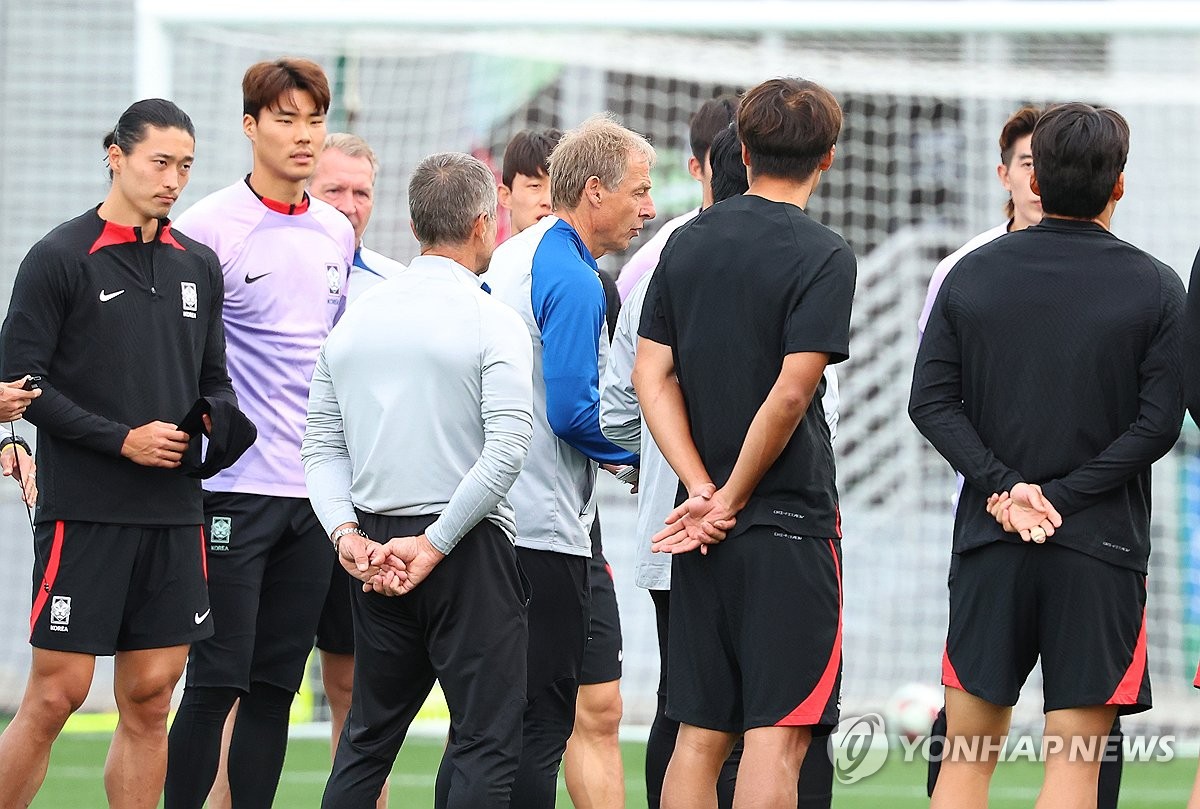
(352, 146)
(599, 147)
(446, 194)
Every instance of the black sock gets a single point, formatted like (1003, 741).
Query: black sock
(1108, 788)
(194, 745)
(258, 746)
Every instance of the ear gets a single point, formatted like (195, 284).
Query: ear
(413, 228)
(1002, 173)
(745, 156)
(1035, 188)
(481, 225)
(115, 157)
(249, 126)
(696, 169)
(827, 159)
(1118, 188)
(504, 196)
(591, 190)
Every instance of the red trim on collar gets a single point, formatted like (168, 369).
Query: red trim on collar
(166, 237)
(113, 234)
(286, 208)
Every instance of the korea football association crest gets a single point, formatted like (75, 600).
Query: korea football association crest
(188, 289)
(333, 274)
(60, 613)
(220, 530)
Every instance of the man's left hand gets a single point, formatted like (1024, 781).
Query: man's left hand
(416, 555)
(10, 457)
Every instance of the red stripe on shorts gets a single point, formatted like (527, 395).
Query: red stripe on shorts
(810, 711)
(949, 675)
(1131, 684)
(1196, 682)
(203, 554)
(43, 594)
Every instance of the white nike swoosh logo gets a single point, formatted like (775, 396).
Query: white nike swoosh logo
(200, 618)
(105, 297)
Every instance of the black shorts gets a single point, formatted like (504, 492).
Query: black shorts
(558, 622)
(756, 633)
(335, 629)
(115, 588)
(268, 573)
(1011, 603)
(602, 655)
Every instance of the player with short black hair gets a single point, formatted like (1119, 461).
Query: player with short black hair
(119, 314)
(705, 124)
(1022, 208)
(525, 179)
(756, 462)
(285, 257)
(1049, 378)
(621, 420)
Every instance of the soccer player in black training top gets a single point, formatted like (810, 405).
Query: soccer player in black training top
(1049, 377)
(730, 379)
(121, 317)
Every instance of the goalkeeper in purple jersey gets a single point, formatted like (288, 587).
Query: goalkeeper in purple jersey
(285, 258)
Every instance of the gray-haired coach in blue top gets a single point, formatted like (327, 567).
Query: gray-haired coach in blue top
(419, 421)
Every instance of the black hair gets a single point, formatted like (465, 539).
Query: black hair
(156, 112)
(707, 122)
(788, 126)
(728, 171)
(528, 153)
(1079, 151)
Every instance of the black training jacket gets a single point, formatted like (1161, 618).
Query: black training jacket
(123, 332)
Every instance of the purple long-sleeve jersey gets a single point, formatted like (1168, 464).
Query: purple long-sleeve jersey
(285, 275)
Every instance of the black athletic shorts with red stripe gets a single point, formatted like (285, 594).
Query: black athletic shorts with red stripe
(1013, 602)
(113, 588)
(756, 632)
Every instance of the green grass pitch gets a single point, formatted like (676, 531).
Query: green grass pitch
(76, 771)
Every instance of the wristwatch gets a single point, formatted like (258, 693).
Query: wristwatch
(17, 440)
(343, 531)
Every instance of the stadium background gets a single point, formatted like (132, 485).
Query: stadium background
(925, 88)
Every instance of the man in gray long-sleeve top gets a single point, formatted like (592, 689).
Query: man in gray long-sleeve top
(419, 421)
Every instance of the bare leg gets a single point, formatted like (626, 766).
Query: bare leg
(1194, 801)
(1074, 744)
(771, 759)
(337, 676)
(592, 765)
(691, 780)
(58, 684)
(137, 758)
(218, 796)
(974, 729)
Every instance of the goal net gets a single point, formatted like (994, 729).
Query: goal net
(925, 92)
